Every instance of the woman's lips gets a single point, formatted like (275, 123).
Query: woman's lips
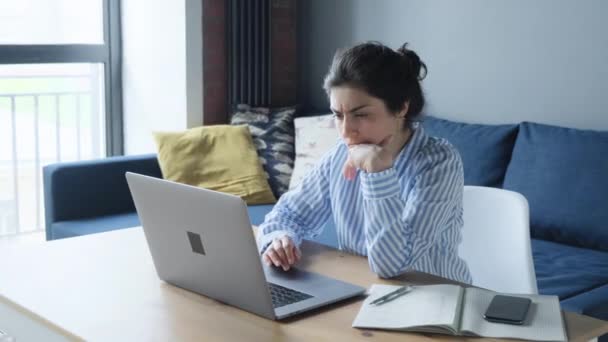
(360, 143)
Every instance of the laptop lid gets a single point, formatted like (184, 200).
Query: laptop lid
(201, 240)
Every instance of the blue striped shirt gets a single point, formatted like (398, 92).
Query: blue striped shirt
(408, 217)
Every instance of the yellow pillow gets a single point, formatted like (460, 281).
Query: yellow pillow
(221, 158)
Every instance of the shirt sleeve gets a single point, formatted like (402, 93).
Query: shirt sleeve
(401, 227)
(301, 212)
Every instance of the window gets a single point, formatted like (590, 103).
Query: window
(60, 96)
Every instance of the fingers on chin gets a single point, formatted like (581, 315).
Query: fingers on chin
(351, 173)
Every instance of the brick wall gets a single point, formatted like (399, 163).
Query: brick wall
(215, 69)
(283, 52)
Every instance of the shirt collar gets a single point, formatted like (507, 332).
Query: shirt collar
(416, 141)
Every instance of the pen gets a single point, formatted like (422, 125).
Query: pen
(392, 295)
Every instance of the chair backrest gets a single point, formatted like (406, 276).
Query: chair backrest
(496, 240)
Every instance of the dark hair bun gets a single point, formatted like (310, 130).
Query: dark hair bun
(416, 67)
(392, 76)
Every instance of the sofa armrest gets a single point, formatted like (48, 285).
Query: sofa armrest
(84, 189)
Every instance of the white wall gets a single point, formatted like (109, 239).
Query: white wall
(500, 61)
(194, 63)
(162, 69)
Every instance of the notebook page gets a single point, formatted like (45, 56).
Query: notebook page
(423, 306)
(543, 323)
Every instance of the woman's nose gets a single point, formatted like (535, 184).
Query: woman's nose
(348, 127)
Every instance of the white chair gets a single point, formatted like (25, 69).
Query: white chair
(496, 240)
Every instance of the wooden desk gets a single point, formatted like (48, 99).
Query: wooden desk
(103, 287)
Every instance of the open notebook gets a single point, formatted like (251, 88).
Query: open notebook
(455, 310)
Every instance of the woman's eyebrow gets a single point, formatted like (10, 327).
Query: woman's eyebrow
(350, 111)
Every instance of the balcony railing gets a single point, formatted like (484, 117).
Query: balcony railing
(38, 128)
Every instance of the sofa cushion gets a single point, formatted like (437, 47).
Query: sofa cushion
(65, 229)
(485, 149)
(273, 135)
(221, 158)
(593, 303)
(258, 212)
(563, 172)
(101, 224)
(568, 271)
(579, 276)
(327, 237)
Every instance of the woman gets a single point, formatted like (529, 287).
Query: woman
(395, 193)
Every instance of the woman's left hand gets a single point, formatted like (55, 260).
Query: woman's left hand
(368, 157)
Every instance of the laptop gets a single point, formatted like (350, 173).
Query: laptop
(201, 240)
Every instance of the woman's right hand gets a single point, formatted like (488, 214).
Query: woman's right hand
(282, 252)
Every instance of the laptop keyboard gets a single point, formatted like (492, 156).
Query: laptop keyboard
(282, 296)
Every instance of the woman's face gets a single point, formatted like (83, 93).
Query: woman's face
(361, 118)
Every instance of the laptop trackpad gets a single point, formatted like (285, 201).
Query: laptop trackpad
(311, 283)
(294, 276)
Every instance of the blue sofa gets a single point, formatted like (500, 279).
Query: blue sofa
(562, 172)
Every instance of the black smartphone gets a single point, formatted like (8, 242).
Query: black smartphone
(507, 309)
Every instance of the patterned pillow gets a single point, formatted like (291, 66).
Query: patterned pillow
(273, 135)
(315, 135)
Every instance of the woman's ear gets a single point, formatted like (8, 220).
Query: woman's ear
(403, 112)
